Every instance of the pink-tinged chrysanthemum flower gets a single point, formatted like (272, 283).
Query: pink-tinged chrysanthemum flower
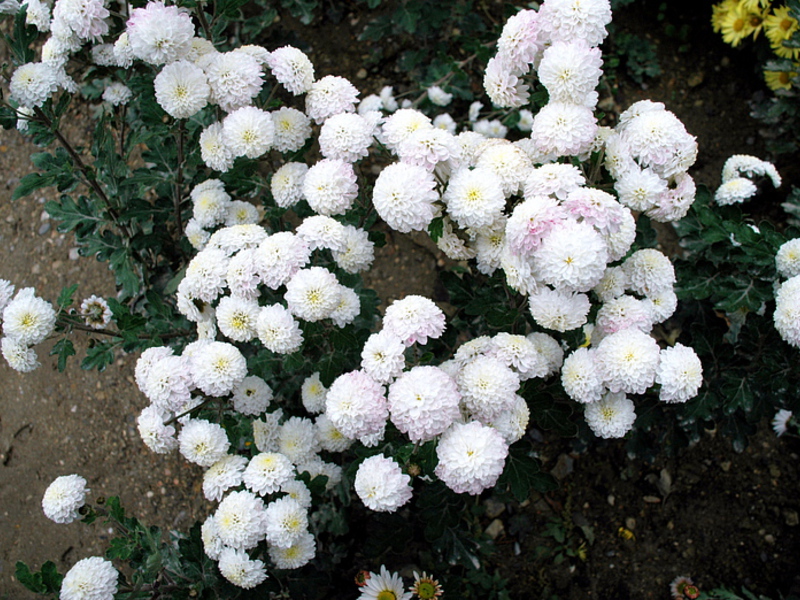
(160, 34)
(381, 484)
(414, 319)
(423, 402)
(471, 457)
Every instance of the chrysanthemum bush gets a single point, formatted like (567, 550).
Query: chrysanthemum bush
(238, 196)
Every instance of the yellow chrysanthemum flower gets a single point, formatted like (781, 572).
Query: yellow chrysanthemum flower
(754, 5)
(780, 26)
(719, 11)
(736, 26)
(779, 80)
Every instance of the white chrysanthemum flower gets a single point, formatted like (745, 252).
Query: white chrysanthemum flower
(560, 311)
(627, 361)
(487, 387)
(661, 305)
(735, 191)
(213, 149)
(550, 350)
(210, 203)
(278, 330)
(438, 96)
(370, 104)
(286, 522)
(356, 405)
(346, 137)
(383, 357)
(489, 245)
(92, 578)
(581, 378)
(330, 438)
(296, 555)
(512, 424)
(312, 294)
(320, 231)
(519, 272)
(357, 251)
(423, 403)
(317, 467)
(298, 491)
(251, 396)
(445, 122)
(612, 285)
(279, 257)
(474, 197)
(330, 96)
(201, 47)
(348, 309)
(265, 432)
(570, 70)
(160, 34)
(212, 542)
(287, 184)
(37, 14)
(674, 204)
(6, 293)
(86, 19)
(572, 256)
(237, 318)
(234, 238)
(454, 246)
(787, 260)
(787, 311)
(292, 129)
(235, 79)
(182, 89)
(610, 417)
(492, 129)
(519, 353)
(64, 497)
(241, 212)
(123, 53)
(471, 457)
(649, 272)
(27, 319)
(520, 42)
(503, 84)
(381, 484)
(169, 383)
(554, 179)
(623, 312)
(680, 374)
(223, 475)
(292, 68)
(400, 125)
(404, 197)
(414, 319)
(19, 356)
(202, 442)
(241, 519)
(620, 242)
(237, 567)
(267, 472)
(117, 94)
(248, 131)
(146, 361)
(427, 148)
(750, 166)
(564, 129)
(531, 221)
(508, 162)
(297, 440)
(657, 139)
(780, 423)
(640, 189)
(32, 84)
(567, 20)
(218, 368)
(330, 187)
(242, 276)
(312, 394)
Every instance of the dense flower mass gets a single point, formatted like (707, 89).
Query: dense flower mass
(64, 497)
(92, 578)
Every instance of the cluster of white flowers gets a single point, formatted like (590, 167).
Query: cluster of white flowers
(735, 186)
(787, 294)
(27, 320)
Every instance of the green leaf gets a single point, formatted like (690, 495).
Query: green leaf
(64, 349)
(523, 474)
(32, 581)
(30, 183)
(98, 357)
(551, 415)
(65, 298)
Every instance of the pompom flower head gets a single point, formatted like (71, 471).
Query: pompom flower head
(381, 484)
(92, 578)
(64, 497)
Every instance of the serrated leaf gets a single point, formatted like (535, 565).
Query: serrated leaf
(64, 349)
(519, 474)
(30, 183)
(65, 297)
(32, 581)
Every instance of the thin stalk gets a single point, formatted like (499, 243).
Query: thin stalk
(201, 16)
(87, 174)
(203, 404)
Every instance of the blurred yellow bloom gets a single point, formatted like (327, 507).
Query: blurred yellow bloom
(736, 26)
(719, 11)
(780, 26)
(779, 80)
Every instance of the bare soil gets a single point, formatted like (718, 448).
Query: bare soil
(718, 516)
